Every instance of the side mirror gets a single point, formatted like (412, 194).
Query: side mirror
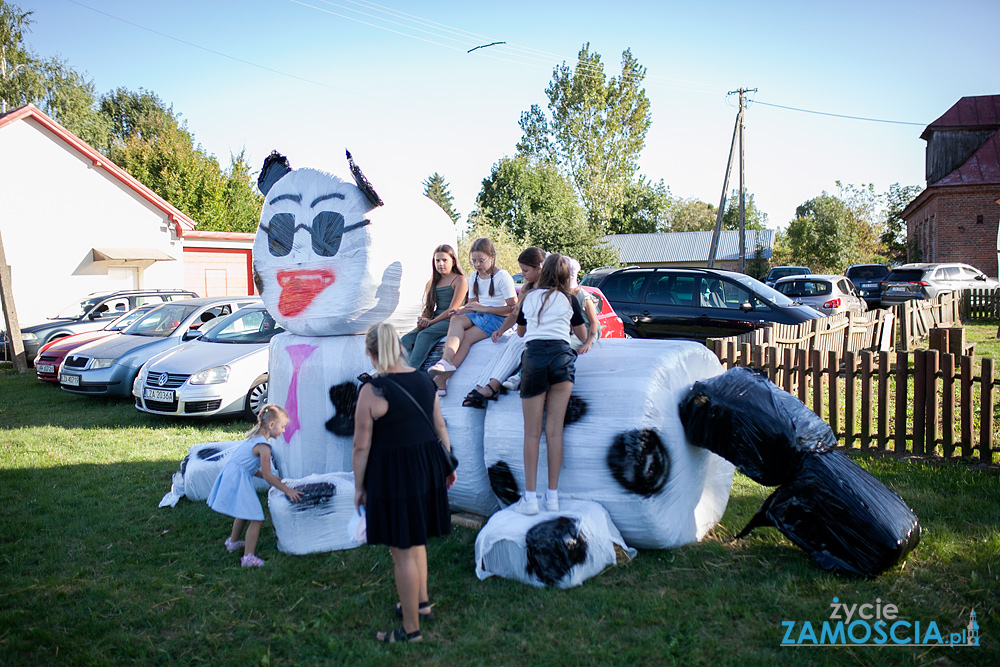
(746, 306)
(191, 334)
(981, 277)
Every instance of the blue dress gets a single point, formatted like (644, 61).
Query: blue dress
(233, 492)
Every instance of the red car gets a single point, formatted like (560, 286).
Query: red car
(52, 354)
(611, 324)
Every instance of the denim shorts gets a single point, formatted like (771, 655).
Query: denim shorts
(488, 322)
(545, 363)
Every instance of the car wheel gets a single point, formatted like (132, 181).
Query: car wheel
(256, 399)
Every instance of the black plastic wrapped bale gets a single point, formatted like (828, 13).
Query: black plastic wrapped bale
(755, 425)
(554, 548)
(847, 520)
(551, 549)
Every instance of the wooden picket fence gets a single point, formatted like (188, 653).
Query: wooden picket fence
(920, 402)
(839, 333)
(980, 304)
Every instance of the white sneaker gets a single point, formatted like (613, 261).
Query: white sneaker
(550, 505)
(525, 506)
(513, 383)
(441, 367)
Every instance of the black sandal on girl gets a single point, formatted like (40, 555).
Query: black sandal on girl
(475, 400)
(424, 609)
(398, 635)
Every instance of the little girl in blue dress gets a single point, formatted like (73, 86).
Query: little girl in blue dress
(234, 494)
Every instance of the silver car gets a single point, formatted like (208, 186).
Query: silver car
(108, 367)
(827, 294)
(223, 372)
(927, 281)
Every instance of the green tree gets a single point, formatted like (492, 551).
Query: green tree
(148, 140)
(596, 131)
(534, 202)
(819, 236)
(893, 235)
(753, 217)
(18, 80)
(437, 190)
(50, 84)
(643, 208)
(689, 215)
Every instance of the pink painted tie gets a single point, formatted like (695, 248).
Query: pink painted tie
(297, 354)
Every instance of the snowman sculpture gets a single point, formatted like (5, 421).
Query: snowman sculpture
(330, 260)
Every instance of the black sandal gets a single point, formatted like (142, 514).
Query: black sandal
(424, 609)
(398, 635)
(475, 400)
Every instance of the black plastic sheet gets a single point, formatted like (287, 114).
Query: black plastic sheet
(847, 520)
(554, 548)
(755, 425)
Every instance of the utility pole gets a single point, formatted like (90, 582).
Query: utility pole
(737, 134)
(10, 314)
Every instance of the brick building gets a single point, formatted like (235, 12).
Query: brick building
(955, 219)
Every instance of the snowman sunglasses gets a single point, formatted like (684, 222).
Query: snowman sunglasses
(327, 230)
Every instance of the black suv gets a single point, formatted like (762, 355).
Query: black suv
(89, 314)
(695, 303)
(867, 278)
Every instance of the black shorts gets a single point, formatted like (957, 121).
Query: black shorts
(545, 363)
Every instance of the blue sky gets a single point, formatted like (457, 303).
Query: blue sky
(393, 81)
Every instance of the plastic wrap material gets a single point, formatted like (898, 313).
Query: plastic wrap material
(320, 274)
(627, 451)
(315, 379)
(748, 420)
(200, 468)
(847, 520)
(556, 549)
(472, 492)
(318, 522)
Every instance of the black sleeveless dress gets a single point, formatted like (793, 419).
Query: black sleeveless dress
(407, 470)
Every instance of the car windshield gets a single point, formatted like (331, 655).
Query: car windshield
(762, 290)
(785, 271)
(76, 311)
(162, 321)
(876, 272)
(804, 288)
(126, 320)
(244, 326)
(905, 276)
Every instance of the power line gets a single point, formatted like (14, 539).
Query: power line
(218, 53)
(838, 115)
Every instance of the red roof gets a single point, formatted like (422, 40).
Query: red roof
(181, 222)
(983, 168)
(982, 111)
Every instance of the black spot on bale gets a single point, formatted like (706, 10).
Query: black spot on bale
(503, 483)
(553, 548)
(314, 495)
(639, 461)
(576, 410)
(344, 397)
(208, 453)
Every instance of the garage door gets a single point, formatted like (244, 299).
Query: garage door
(218, 271)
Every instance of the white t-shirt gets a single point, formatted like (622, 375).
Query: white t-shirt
(558, 315)
(503, 289)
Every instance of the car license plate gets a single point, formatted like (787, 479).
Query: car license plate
(870, 286)
(45, 368)
(157, 395)
(71, 380)
(897, 289)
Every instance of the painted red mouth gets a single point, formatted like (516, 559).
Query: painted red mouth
(299, 288)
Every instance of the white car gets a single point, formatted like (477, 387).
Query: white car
(224, 372)
(828, 294)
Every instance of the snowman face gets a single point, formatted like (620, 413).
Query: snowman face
(311, 253)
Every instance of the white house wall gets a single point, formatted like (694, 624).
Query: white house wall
(55, 206)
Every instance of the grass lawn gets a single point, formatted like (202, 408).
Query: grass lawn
(95, 574)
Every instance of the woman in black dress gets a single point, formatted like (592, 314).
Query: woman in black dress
(401, 472)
